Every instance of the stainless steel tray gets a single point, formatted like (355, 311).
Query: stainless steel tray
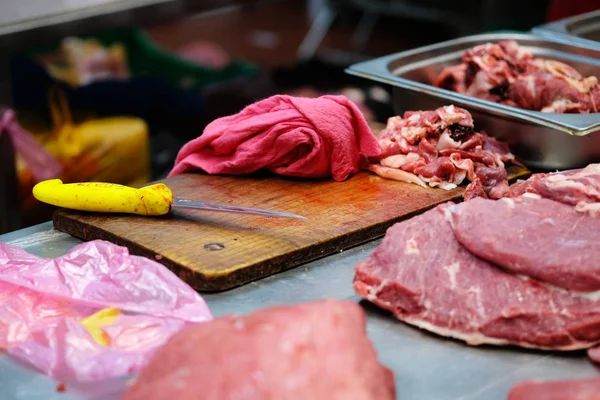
(540, 140)
(582, 29)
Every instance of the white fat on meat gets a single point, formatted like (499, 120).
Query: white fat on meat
(443, 185)
(414, 118)
(530, 79)
(562, 106)
(446, 142)
(592, 209)
(593, 296)
(569, 74)
(393, 125)
(450, 115)
(413, 134)
(509, 201)
(412, 247)
(399, 160)
(563, 182)
(474, 338)
(481, 85)
(396, 174)
(463, 164)
(436, 182)
(452, 270)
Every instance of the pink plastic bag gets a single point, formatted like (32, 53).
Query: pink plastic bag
(42, 302)
(42, 164)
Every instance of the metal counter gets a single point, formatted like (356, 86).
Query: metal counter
(426, 367)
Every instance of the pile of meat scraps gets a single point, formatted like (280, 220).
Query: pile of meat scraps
(441, 148)
(506, 73)
(93, 315)
(522, 270)
(317, 351)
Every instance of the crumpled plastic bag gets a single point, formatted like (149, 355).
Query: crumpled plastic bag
(44, 301)
(40, 162)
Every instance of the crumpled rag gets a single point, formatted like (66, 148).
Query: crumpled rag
(45, 303)
(294, 136)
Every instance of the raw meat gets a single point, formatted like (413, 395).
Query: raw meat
(594, 354)
(540, 238)
(580, 389)
(314, 351)
(489, 69)
(555, 87)
(579, 187)
(441, 149)
(422, 274)
(506, 73)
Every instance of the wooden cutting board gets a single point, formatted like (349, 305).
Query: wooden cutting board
(217, 251)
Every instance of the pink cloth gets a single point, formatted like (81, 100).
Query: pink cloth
(294, 136)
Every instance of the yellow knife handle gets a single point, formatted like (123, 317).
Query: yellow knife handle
(151, 200)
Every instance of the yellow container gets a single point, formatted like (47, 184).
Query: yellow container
(115, 150)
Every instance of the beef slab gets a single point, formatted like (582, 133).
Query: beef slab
(537, 237)
(580, 389)
(578, 187)
(422, 274)
(311, 351)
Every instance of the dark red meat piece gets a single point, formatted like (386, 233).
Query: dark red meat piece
(473, 190)
(441, 167)
(422, 274)
(540, 238)
(493, 180)
(578, 186)
(506, 73)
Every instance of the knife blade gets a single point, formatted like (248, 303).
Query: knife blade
(185, 203)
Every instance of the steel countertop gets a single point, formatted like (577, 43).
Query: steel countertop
(426, 367)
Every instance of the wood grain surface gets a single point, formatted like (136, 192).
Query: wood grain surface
(216, 251)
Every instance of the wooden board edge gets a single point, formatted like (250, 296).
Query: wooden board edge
(254, 272)
(71, 225)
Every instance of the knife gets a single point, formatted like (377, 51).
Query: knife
(152, 200)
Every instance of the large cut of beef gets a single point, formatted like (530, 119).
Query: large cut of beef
(579, 389)
(506, 73)
(441, 148)
(536, 237)
(579, 187)
(316, 350)
(422, 274)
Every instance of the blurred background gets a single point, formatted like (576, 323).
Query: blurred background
(109, 90)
